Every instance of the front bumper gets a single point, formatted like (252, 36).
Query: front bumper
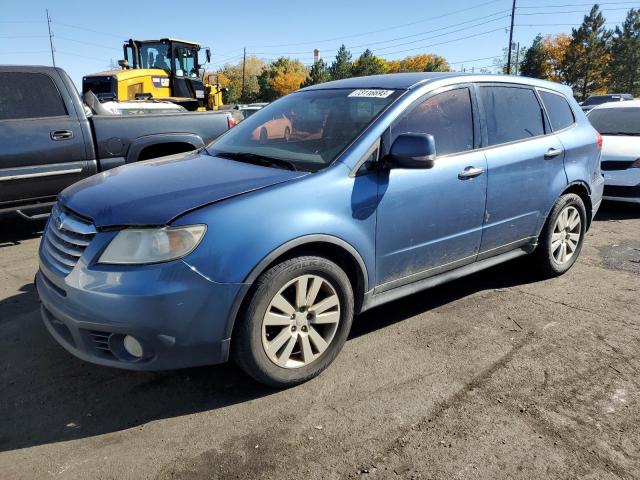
(180, 317)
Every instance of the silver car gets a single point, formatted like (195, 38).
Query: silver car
(619, 125)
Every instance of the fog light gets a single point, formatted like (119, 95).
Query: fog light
(132, 346)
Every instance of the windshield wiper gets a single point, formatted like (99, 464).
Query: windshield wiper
(630, 134)
(256, 159)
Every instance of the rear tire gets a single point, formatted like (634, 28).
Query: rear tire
(561, 239)
(297, 320)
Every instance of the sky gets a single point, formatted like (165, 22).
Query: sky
(88, 36)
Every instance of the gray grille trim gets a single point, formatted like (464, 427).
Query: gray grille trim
(66, 238)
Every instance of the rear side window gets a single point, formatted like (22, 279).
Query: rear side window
(448, 116)
(558, 109)
(29, 95)
(512, 114)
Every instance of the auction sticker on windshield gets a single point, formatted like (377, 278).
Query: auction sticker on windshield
(371, 93)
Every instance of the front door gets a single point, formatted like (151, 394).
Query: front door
(430, 220)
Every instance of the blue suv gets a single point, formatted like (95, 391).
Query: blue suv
(330, 201)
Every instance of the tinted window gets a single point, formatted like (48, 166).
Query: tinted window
(558, 109)
(511, 113)
(29, 95)
(600, 99)
(616, 121)
(447, 116)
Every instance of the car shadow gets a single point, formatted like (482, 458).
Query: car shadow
(50, 396)
(611, 211)
(15, 229)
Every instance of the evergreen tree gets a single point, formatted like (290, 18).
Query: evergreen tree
(534, 62)
(585, 64)
(625, 61)
(368, 64)
(342, 67)
(318, 73)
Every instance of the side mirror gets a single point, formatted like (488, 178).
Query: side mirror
(123, 64)
(208, 53)
(413, 150)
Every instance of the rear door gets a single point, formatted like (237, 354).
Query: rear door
(525, 166)
(43, 149)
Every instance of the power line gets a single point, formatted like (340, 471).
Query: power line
(90, 30)
(574, 5)
(86, 43)
(570, 11)
(22, 36)
(315, 42)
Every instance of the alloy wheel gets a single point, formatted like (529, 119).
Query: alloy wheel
(565, 237)
(301, 321)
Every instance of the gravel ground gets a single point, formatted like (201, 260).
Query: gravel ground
(498, 375)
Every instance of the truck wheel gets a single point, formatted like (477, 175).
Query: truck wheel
(561, 239)
(297, 320)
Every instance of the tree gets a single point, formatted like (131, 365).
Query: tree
(342, 67)
(281, 77)
(585, 64)
(555, 47)
(625, 61)
(368, 64)
(318, 73)
(534, 62)
(426, 62)
(230, 76)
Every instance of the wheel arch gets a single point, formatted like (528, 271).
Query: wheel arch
(333, 248)
(582, 190)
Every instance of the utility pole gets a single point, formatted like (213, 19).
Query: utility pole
(517, 57)
(53, 57)
(513, 14)
(244, 60)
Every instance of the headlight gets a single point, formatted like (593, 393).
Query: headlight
(152, 245)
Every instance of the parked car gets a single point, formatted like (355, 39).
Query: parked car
(264, 251)
(278, 128)
(50, 139)
(619, 125)
(595, 100)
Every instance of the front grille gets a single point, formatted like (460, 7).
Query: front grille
(66, 238)
(101, 343)
(615, 164)
(618, 191)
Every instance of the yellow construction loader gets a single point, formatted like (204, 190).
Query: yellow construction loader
(165, 69)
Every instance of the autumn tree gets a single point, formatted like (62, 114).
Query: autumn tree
(342, 66)
(625, 61)
(426, 62)
(555, 48)
(318, 73)
(585, 64)
(368, 64)
(230, 76)
(281, 77)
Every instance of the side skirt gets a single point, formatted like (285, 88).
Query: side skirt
(373, 300)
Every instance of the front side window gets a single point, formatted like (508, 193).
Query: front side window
(448, 116)
(558, 109)
(184, 60)
(512, 114)
(29, 95)
(305, 130)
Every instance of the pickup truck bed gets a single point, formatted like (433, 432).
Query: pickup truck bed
(49, 141)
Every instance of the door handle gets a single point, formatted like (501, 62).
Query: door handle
(61, 134)
(470, 172)
(552, 153)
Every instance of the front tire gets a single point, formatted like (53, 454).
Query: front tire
(297, 320)
(561, 239)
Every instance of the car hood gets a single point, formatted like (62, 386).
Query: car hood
(154, 192)
(620, 147)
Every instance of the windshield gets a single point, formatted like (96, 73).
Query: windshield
(602, 99)
(306, 129)
(155, 55)
(616, 121)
